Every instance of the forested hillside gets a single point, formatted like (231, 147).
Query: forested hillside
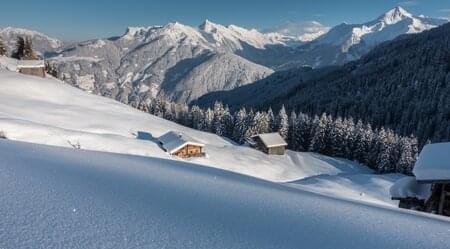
(403, 84)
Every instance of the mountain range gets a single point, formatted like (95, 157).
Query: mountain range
(183, 63)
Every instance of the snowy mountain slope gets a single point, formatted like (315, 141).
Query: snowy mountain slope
(347, 42)
(53, 113)
(41, 42)
(133, 67)
(214, 74)
(55, 197)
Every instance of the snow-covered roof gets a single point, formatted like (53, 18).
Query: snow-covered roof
(173, 141)
(272, 139)
(433, 163)
(30, 64)
(408, 187)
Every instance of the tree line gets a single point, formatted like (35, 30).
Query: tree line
(381, 149)
(23, 50)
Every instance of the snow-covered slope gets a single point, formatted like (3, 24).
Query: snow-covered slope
(63, 198)
(41, 42)
(47, 111)
(216, 72)
(347, 42)
(51, 112)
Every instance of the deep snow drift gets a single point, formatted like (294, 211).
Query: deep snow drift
(64, 198)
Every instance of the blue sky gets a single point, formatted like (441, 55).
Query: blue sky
(83, 19)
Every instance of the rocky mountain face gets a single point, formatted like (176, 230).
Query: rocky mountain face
(41, 42)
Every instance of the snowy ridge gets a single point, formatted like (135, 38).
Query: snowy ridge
(393, 23)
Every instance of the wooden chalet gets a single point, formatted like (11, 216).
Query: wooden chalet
(31, 67)
(269, 143)
(432, 177)
(181, 145)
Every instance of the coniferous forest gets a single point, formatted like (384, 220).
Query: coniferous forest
(381, 149)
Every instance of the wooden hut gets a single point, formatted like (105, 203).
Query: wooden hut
(270, 143)
(181, 145)
(431, 190)
(31, 67)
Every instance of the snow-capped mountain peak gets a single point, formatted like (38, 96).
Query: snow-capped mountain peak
(135, 32)
(232, 37)
(395, 15)
(391, 24)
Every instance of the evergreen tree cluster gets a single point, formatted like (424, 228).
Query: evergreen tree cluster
(24, 49)
(381, 149)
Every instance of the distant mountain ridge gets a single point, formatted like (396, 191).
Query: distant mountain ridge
(347, 42)
(184, 63)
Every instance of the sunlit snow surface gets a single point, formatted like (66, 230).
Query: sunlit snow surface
(65, 198)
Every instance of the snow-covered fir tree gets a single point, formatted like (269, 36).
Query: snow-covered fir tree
(282, 123)
(240, 126)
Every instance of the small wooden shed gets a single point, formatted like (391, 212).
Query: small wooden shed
(31, 67)
(430, 189)
(270, 143)
(181, 145)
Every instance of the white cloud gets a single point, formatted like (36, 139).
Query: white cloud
(305, 30)
(408, 3)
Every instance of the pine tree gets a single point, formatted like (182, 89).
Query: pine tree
(349, 135)
(207, 124)
(28, 52)
(228, 121)
(3, 50)
(305, 130)
(318, 143)
(337, 138)
(195, 117)
(404, 164)
(218, 122)
(293, 131)
(282, 123)
(240, 126)
(20, 46)
(272, 121)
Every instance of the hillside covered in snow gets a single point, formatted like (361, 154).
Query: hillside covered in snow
(53, 113)
(63, 198)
